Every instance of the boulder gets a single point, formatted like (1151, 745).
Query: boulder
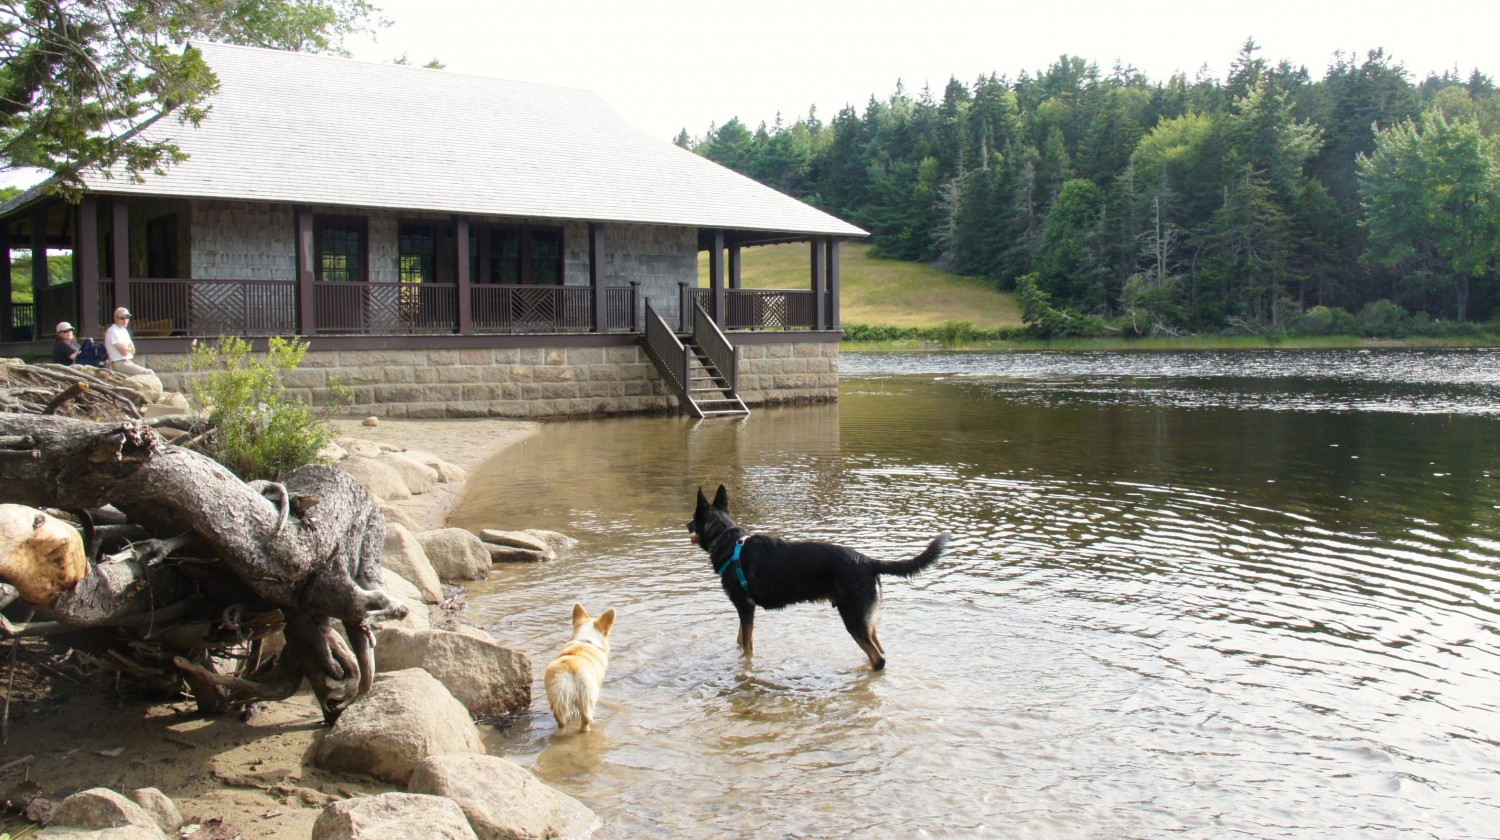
(160, 807)
(379, 478)
(407, 716)
(506, 554)
(120, 832)
(514, 539)
(486, 677)
(393, 816)
(100, 808)
(447, 473)
(400, 517)
(403, 555)
(419, 477)
(501, 800)
(359, 446)
(553, 539)
(456, 554)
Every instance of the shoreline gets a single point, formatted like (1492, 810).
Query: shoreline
(80, 729)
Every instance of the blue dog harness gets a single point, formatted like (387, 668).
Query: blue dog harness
(739, 570)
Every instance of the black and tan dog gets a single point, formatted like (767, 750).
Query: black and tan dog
(773, 573)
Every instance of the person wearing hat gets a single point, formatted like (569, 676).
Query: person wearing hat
(121, 348)
(66, 350)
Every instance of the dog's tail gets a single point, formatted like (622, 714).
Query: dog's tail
(907, 568)
(569, 695)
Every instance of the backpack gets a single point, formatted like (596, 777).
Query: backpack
(91, 353)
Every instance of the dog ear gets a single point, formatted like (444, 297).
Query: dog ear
(605, 621)
(721, 499)
(580, 615)
(702, 499)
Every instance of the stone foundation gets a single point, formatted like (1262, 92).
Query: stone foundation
(532, 382)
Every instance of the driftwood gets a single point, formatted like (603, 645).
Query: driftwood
(228, 570)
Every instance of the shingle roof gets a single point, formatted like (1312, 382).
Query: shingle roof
(312, 129)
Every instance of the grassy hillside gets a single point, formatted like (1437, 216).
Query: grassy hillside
(881, 292)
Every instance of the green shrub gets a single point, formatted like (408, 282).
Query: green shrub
(1323, 320)
(257, 431)
(1382, 319)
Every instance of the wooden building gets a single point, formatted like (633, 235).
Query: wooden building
(449, 245)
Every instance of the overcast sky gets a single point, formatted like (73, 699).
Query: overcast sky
(673, 64)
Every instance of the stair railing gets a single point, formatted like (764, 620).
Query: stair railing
(725, 356)
(667, 351)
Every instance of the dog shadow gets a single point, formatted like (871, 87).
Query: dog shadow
(571, 754)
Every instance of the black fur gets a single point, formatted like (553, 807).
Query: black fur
(782, 573)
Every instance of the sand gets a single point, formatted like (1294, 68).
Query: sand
(70, 731)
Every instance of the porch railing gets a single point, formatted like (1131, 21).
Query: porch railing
(269, 307)
(755, 309)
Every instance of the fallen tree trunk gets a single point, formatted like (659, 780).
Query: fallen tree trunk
(308, 546)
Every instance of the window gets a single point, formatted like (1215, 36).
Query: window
(418, 253)
(340, 249)
(516, 255)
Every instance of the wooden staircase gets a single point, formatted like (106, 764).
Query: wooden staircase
(709, 392)
(702, 370)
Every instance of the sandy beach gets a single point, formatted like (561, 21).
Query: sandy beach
(70, 731)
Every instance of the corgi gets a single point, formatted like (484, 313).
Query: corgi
(576, 675)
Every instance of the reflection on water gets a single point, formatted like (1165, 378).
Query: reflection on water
(1196, 594)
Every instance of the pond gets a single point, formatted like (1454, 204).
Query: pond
(1197, 594)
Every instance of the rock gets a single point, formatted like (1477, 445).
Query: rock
(148, 384)
(359, 446)
(446, 472)
(400, 517)
(486, 677)
(514, 539)
(418, 617)
(407, 716)
(380, 478)
(506, 554)
(174, 399)
(553, 539)
(407, 592)
(154, 410)
(393, 816)
(456, 554)
(472, 632)
(403, 555)
(502, 800)
(419, 477)
(333, 453)
(123, 832)
(370, 421)
(160, 807)
(398, 585)
(98, 808)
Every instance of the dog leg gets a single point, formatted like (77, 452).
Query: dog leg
(862, 629)
(745, 639)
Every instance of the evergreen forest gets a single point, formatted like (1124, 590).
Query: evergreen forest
(1364, 201)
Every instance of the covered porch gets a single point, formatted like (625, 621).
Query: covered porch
(118, 263)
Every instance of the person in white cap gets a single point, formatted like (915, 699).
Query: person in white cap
(121, 348)
(65, 351)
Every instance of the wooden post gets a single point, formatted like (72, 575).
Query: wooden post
(734, 266)
(307, 323)
(596, 277)
(86, 266)
(820, 307)
(716, 278)
(7, 311)
(833, 283)
(43, 305)
(119, 237)
(461, 268)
